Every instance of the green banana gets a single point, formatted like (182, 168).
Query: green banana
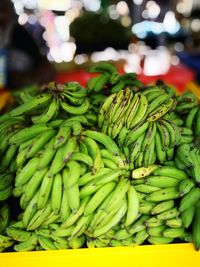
(157, 102)
(187, 216)
(28, 133)
(150, 134)
(56, 193)
(122, 136)
(74, 216)
(6, 180)
(158, 240)
(46, 243)
(30, 210)
(70, 180)
(145, 207)
(134, 134)
(168, 214)
(69, 148)
(26, 172)
(116, 159)
(33, 184)
(58, 163)
(160, 110)
(119, 86)
(18, 234)
(190, 199)
(105, 140)
(129, 231)
(121, 110)
(163, 194)
(164, 135)
(81, 226)
(82, 158)
(39, 217)
(48, 114)
(62, 136)
(48, 154)
(77, 242)
(64, 207)
(9, 156)
(94, 151)
(161, 181)
(89, 176)
(147, 189)
(99, 197)
(45, 190)
(140, 237)
(76, 110)
(170, 171)
(141, 112)
(174, 232)
(118, 194)
(104, 108)
(5, 242)
(39, 143)
(27, 245)
(108, 163)
(135, 148)
(174, 223)
(163, 206)
(156, 231)
(103, 67)
(36, 103)
(132, 206)
(185, 186)
(113, 221)
(6, 193)
(132, 109)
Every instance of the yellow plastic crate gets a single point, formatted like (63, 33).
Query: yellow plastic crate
(179, 255)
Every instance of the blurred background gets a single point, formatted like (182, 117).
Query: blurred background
(44, 40)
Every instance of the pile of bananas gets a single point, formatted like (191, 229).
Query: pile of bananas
(115, 164)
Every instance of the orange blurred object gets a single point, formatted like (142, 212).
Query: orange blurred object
(6, 100)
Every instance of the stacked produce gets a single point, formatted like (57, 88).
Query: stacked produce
(115, 164)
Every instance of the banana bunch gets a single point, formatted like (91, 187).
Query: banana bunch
(49, 237)
(187, 158)
(128, 109)
(185, 102)
(159, 187)
(133, 118)
(60, 169)
(70, 98)
(109, 80)
(158, 220)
